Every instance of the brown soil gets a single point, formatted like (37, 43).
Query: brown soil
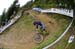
(19, 36)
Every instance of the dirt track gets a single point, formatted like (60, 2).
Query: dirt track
(20, 35)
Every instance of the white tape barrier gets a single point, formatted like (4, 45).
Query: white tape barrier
(59, 37)
(59, 11)
(11, 22)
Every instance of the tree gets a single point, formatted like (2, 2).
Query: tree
(72, 4)
(3, 18)
(17, 7)
(11, 10)
(28, 5)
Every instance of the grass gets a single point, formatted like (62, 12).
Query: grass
(64, 41)
(21, 30)
(63, 23)
(48, 41)
(24, 28)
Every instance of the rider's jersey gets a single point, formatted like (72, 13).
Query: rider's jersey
(38, 23)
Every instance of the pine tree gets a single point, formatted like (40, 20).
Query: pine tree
(3, 18)
(11, 10)
(17, 7)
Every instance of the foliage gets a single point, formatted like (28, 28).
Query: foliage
(13, 8)
(2, 18)
(28, 5)
(44, 3)
(5, 17)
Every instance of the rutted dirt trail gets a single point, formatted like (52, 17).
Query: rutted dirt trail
(20, 35)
